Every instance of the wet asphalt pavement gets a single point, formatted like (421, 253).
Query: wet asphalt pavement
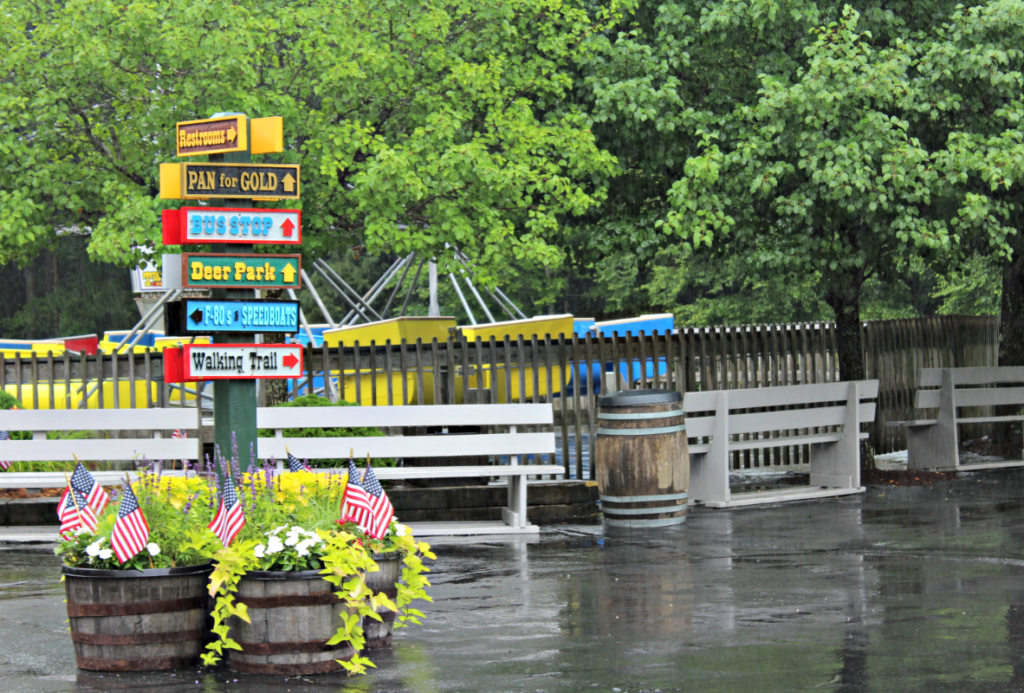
(902, 589)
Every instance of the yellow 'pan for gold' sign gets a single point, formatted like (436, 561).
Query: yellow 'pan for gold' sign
(248, 181)
(212, 136)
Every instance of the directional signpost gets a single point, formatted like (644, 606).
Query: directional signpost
(192, 362)
(232, 312)
(201, 316)
(232, 225)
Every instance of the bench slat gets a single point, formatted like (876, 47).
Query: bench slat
(795, 419)
(410, 446)
(463, 415)
(97, 419)
(58, 480)
(475, 470)
(781, 396)
(972, 397)
(932, 377)
(100, 450)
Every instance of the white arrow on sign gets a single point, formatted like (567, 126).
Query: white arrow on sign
(242, 361)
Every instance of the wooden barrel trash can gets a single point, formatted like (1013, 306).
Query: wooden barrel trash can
(642, 461)
(383, 581)
(138, 620)
(292, 616)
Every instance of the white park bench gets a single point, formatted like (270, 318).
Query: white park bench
(934, 443)
(513, 444)
(797, 410)
(43, 421)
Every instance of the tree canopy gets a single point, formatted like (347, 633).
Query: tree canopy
(417, 123)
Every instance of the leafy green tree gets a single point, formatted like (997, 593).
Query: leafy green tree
(417, 123)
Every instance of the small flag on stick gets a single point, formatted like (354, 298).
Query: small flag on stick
(131, 531)
(355, 504)
(74, 512)
(294, 464)
(230, 517)
(381, 506)
(85, 483)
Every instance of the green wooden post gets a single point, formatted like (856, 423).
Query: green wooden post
(234, 401)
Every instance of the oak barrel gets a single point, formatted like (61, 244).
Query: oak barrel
(383, 580)
(138, 620)
(642, 460)
(293, 614)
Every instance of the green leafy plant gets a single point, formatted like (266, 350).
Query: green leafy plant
(355, 432)
(292, 525)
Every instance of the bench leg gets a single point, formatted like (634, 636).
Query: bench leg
(837, 465)
(514, 514)
(936, 446)
(709, 476)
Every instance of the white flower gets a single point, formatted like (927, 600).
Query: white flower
(401, 530)
(105, 554)
(153, 548)
(260, 551)
(81, 530)
(295, 530)
(277, 530)
(291, 540)
(302, 549)
(93, 549)
(274, 545)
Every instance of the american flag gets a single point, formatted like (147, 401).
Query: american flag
(83, 482)
(230, 517)
(178, 433)
(75, 512)
(367, 505)
(5, 465)
(294, 465)
(355, 504)
(131, 531)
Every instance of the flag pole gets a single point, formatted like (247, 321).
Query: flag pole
(72, 489)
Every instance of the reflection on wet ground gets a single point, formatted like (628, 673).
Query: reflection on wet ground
(902, 589)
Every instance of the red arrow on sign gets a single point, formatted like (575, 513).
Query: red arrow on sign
(287, 227)
(289, 361)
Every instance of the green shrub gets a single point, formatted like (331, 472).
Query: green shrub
(357, 432)
(9, 401)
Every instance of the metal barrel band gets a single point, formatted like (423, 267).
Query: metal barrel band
(657, 510)
(662, 522)
(150, 664)
(276, 648)
(136, 608)
(644, 499)
(640, 431)
(639, 417)
(324, 667)
(320, 599)
(138, 638)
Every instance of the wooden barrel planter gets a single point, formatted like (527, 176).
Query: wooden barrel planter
(642, 460)
(293, 614)
(383, 581)
(131, 620)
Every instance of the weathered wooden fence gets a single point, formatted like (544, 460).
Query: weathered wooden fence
(569, 371)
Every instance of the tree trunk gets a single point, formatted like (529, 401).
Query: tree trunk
(1006, 438)
(851, 351)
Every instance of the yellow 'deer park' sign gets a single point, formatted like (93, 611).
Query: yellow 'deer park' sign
(238, 271)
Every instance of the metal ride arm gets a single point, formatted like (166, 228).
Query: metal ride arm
(323, 267)
(316, 297)
(412, 286)
(462, 298)
(405, 271)
(341, 292)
